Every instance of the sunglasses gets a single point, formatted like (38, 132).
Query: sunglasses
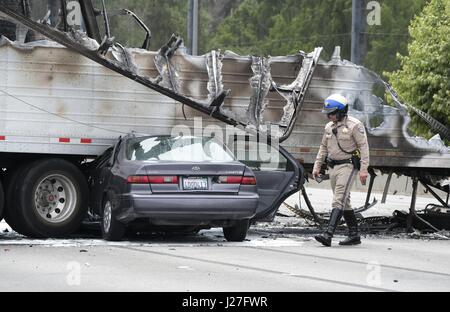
(331, 114)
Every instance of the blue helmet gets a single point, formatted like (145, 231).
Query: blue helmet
(335, 103)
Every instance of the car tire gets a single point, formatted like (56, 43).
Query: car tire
(112, 230)
(237, 232)
(53, 197)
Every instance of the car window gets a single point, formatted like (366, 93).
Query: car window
(259, 156)
(178, 149)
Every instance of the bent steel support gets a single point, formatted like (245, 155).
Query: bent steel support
(318, 220)
(412, 211)
(443, 203)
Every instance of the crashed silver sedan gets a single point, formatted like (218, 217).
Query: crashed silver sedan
(195, 182)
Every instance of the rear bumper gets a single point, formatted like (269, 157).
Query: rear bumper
(187, 209)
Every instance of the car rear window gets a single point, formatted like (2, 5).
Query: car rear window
(178, 149)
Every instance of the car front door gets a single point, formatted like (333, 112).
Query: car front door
(278, 175)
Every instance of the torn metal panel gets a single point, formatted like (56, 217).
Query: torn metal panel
(260, 84)
(169, 77)
(295, 92)
(214, 67)
(82, 39)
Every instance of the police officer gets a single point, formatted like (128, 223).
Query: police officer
(345, 149)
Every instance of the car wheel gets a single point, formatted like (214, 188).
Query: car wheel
(112, 230)
(237, 232)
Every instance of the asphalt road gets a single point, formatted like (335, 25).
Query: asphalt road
(281, 256)
(289, 262)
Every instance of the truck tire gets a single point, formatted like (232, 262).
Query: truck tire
(112, 230)
(237, 232)
(12, 214)
(53, 197)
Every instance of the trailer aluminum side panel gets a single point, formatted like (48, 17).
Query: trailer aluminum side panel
(59, 102)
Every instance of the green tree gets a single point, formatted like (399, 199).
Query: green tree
(391, 37)
(307, 24)
(246, 29)
(423, 80)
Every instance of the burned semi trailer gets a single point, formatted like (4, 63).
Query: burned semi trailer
(68, 91)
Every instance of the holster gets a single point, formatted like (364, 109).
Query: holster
(356, 161)
(329, 162)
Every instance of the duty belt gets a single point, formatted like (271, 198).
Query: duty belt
(331, 162)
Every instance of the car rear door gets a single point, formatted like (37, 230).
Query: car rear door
(278, 175)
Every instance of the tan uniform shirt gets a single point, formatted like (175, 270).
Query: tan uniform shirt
(351, 134)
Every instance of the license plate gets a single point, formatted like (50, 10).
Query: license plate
(195, 183)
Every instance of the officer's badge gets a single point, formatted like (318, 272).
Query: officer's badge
(345, 130)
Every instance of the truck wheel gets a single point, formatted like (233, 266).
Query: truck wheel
(53, 197)
(237, 232)
(12, 214)
(112, 230)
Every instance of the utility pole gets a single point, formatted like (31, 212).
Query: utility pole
(193, 27)
(357, 30)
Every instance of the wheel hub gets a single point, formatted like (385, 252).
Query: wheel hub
(55, 198)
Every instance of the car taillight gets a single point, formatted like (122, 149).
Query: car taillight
(237, 180)
(230, 179)
(138, 179)
(141, 179)
(249, 181)
(163, 179)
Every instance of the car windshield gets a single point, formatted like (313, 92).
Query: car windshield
(178, 149)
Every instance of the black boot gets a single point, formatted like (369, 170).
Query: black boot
(335, 217)
(353, 236)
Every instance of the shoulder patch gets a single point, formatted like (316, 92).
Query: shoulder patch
(361, 128)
